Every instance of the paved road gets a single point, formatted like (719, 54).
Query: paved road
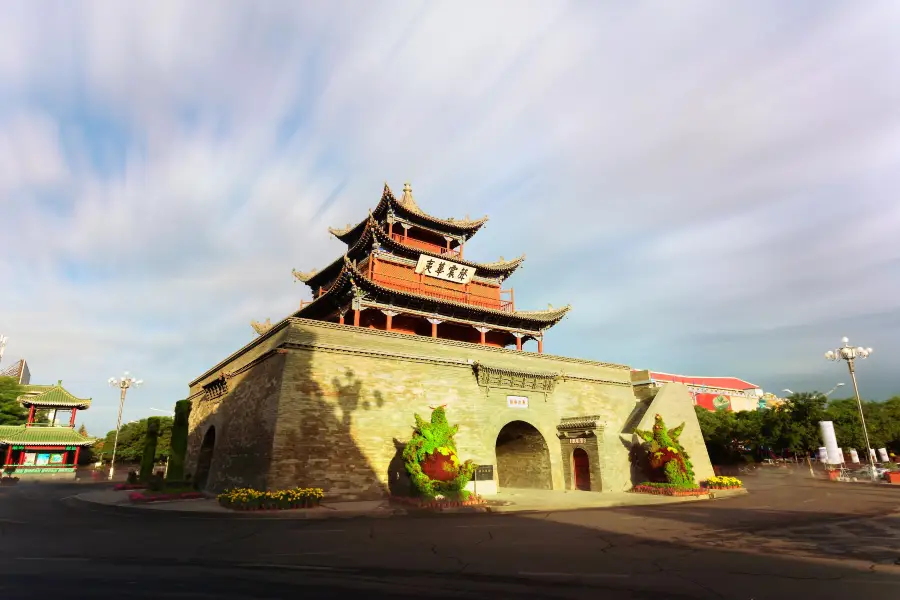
(789, 538)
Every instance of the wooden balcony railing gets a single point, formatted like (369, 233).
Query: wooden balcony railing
(433, 248)
(436, 291)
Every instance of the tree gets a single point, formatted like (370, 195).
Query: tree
(794, 425)
(11, 412)
(148, 455)
(179, 437)
(131, 441)
(83, 430)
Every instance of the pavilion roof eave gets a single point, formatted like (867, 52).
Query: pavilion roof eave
(51, 396)
(20, 435)
(351, 279)
(464, 228)
(373, 233)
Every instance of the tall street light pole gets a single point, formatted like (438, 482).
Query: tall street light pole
(123, 383)
(3, 339)
(850, 354)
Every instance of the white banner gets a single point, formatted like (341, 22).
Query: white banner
(854, 456)
(822, 455)
(826, 428)
(882, 453)
(444, 269)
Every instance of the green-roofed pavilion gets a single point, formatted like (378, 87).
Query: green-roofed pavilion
(44, 448)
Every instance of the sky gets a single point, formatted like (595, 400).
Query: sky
(711, 185)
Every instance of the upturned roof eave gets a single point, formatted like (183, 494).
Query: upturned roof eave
(466, 228)
(350, 277)
(373, 231)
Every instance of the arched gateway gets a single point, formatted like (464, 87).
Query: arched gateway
(204, 459)
(523, 458)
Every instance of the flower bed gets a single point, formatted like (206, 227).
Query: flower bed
(250, 499)
(438, 504)
(129, 486)
(163, 496)
(724, 483)
(666, 489)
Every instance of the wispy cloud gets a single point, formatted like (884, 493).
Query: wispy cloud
(711, 186)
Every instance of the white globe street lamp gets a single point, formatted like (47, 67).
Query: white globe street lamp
(850, 354)
(123, 383)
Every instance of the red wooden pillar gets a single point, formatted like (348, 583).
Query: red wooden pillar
(8, 460)
(434, 324)
(77, 452)
(518, 341)
(31, 415)
(540, 341)
(72, 420)
(22, 456)
(389, 314)
(483, 331)
(482, 337)
(356, 317)
(341, 321)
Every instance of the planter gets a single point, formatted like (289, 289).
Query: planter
(725, 487)
(892, 477)
(129, 486)
(438, 504)
(141, 497)
(668, 491)
(834, 475)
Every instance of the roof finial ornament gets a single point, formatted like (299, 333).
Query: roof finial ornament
(407, 199)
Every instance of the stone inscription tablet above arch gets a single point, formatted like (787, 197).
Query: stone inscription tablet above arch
(499, 377)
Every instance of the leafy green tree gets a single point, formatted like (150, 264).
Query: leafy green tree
(794, 425)
(11, 412)
(131, 441)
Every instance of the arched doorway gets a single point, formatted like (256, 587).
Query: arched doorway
(582, 467)
(523, 458)
(204, 459)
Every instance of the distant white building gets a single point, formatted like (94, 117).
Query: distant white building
(718, 393)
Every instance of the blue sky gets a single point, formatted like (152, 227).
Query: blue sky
(712, 186)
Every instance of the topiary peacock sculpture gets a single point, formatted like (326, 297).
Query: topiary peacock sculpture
(666, 454)
(431, 459)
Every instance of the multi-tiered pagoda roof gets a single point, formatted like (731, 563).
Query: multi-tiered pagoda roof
(39, 447)
(404, 270)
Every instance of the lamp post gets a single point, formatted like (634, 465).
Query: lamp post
(123, 383)
(850, 354)
(826, 394)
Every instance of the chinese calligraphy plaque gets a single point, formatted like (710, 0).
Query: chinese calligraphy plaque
(444, 269)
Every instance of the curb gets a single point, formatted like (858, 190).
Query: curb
(241, 514)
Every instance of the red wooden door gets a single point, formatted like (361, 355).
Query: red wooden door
(582, 470)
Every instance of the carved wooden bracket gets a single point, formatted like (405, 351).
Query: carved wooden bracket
(498, 377)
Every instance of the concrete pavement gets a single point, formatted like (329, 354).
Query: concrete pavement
(507, 501)
(789, 538)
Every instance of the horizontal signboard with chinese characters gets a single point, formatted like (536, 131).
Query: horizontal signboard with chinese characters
(444, 269)
(517, 401)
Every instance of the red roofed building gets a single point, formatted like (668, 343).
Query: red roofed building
(714, 393)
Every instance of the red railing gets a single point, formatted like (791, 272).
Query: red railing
(436, 291)
(433, 248)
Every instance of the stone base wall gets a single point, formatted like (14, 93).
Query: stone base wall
(244, 420)
(336, 409)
